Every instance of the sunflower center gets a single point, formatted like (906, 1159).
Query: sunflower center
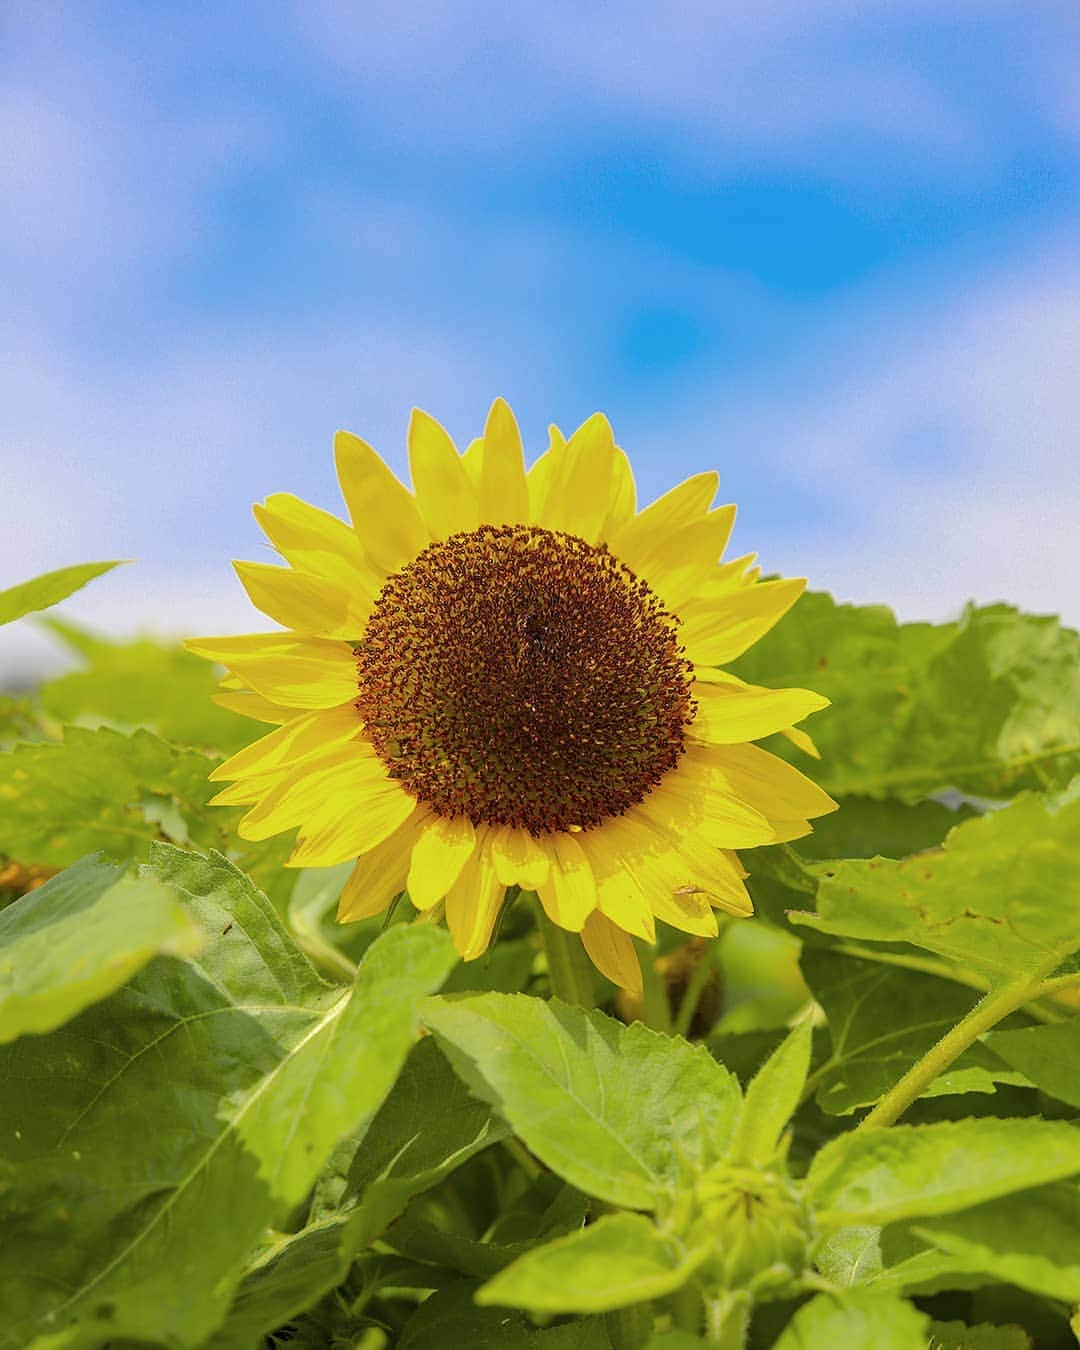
(521, 676)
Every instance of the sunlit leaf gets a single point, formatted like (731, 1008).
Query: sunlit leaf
(877, 1176)
(48, 589)
(80, 936)
(619, 1260)
(619, 1112)
(186, 1112)
(990, 704)
(860, 1318)
(1001, 897)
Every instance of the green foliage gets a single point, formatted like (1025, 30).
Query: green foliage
(989, 704)
(952, 903)
(881, 1020)
(103, 790)
(48, 589)
(223, 1127)
(81, 936)
(864, 1318)
(619, 1260)
(145, 683)
(187, 1112)
(879, 1176)
(619, 1111)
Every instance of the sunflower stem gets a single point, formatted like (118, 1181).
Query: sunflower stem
(655, 1008)
(986, 1014)
(569, 968)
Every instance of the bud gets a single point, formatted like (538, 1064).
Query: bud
(758, 1226)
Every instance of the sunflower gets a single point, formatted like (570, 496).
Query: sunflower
(512, 678)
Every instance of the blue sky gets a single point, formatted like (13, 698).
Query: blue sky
(828, 248)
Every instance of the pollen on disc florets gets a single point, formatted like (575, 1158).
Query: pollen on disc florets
(521, 676)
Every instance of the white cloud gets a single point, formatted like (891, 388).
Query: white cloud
(945, 446)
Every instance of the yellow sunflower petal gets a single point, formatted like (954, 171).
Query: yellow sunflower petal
(576, 491)
(723, 632)
(472, 903)
(249, 704)
(445, 497)
(287, 668)
(649, 854)
(304, 735)
(801, 740)
(619, 893)
(518, 859)
(504, 493)
(612, 952)
(711, 872)
(347, 785)
(299, 601)
(382, 508)
(244, 793)
(331, 835)
(444, 847)
(569, 894)
(689, 799)
(314, 541)
(472, 458)
(623, 495)
(684, 505)
(682, 563)
(378, 876)
(769, 783)
(732, 712)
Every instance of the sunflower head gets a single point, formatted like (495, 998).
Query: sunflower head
(515, 678)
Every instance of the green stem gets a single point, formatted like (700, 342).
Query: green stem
(945, 971)
(727, 1320)
(986, 1014)
(569, 968)
(695, 987)
(655, 1008)
(630, 1328)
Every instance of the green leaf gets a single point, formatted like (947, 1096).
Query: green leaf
(619, 1260)
(48, 589)
(429, 1125)
(850, 1256)
(547, 1209)
(622, 1113)
(1049, 1056)
(144, 683)
(861, 1318)
(881, 1019)
(1031, 1240)
(958, 1336)
(865, 828)
(152, 1139)
(102, 790)
(897, 727)
(877, 1176)
(772, 1097)
(1002, 896)
(450, 1318)
(79, 937)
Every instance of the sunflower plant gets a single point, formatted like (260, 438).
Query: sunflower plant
(486, 955)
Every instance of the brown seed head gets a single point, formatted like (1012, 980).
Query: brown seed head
(521, 676)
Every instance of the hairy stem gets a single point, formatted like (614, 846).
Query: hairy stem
(985, 1014)
(727, 1321)
(569, 968)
